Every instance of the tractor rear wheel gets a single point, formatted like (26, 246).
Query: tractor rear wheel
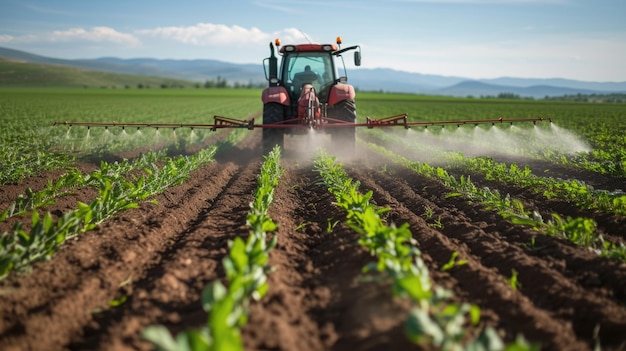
(272, 113)
(344, 138)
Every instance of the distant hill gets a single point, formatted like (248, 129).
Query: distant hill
(483, 89)
(24, 74)
(194, 70)
(378, 79)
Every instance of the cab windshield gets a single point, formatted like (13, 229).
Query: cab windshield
(315, 68)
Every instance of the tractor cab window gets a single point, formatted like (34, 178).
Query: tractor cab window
(308, 68)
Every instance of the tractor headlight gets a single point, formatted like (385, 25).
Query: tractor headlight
(289, 48)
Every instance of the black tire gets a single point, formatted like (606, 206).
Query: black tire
(343, 138)
(272, 113)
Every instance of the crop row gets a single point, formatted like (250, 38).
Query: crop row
(582, 195)
(598, 125)
(246, 267)
(74, 179)
(19, 247)
(20, 161)
(435, 319)
(580, 231)
(31, 144)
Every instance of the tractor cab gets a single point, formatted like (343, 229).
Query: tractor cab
(308, 67)
(307, 92)
(307, 64)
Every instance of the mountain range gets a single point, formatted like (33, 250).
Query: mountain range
(365, 79)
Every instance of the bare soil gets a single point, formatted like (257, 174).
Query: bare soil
(160, 256)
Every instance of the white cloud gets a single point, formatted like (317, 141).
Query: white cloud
(5, 38)
(73, 35)
(204, 34)
(95, 34)
(207, 34)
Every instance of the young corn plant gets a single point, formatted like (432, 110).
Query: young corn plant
(19, 248)
(246, 266)
(435, 319)
(580, 231)
(73, 179)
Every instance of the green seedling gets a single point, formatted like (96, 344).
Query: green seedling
(513, 281)
(330, 225)
(302, 225)
(453, 262)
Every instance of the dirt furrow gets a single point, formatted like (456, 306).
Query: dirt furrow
(10, 192)
(168, 291)
(153, 263)
(612, 226)
(316, 300)
(475, 282)
(544, 285)
(50, 307)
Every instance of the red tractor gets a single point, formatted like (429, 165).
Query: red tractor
(308, 92)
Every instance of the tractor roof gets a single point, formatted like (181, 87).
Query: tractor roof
(309, 48)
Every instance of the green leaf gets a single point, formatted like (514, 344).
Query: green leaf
(490, 340)
(269, 226)
(517, 220)
(225, 337)
(419, 327)
(118, 302)
(211, 294)
(413, 286)
(6, 265)
(195, 340)
(238, 254)
(161, 338)
(261, 291)
(272, 244)
(474, 312)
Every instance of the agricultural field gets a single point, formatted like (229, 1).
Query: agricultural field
(481, 237)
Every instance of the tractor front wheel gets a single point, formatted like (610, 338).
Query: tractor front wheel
(344, 138)
(272, 113)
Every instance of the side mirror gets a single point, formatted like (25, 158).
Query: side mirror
(357, 58)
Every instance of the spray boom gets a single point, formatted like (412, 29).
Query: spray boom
(227, 122)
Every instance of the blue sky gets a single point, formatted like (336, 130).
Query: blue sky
(575, 39)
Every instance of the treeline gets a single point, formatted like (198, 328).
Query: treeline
(505, 96)
(613, 97)
(223, 83)
(218, 83)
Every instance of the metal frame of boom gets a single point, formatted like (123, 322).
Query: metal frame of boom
(322, 122)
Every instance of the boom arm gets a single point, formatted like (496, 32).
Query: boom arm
(226, 122)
